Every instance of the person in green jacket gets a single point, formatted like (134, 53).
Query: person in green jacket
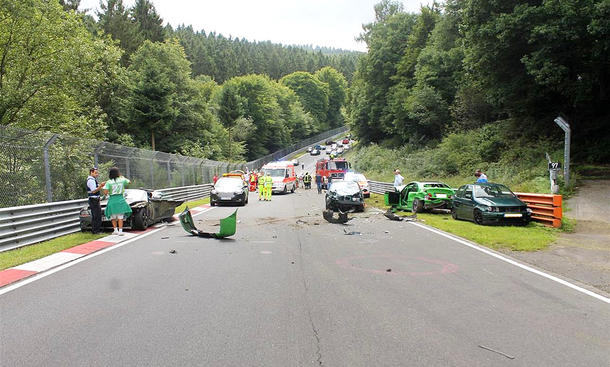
(117, 208)
(268, 187)
(261, 185)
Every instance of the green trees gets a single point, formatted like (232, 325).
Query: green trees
(480, 61)
(270, 114)
(52, 70)
(312, 93)
(337, 93)
(127, 79)
(166, 107)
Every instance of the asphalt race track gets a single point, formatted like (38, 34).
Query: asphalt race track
(291, 289)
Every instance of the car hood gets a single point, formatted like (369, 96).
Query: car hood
(511, 201)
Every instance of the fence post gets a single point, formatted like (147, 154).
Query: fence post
(47, 167)
(169, 174)
(152, 173)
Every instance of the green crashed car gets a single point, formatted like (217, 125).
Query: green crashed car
(420, 196)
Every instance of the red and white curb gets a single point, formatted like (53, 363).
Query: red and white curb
(17, 273)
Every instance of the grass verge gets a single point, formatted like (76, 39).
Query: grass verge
(19, 256)
(532, 237)
(22, 255)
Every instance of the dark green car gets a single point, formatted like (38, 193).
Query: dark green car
(486, 203)
(419, 196)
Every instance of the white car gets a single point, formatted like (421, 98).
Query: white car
(309, 149)
(339, 150)
(361, 180)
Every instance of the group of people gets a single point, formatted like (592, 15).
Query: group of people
(306, 180)
(265, 186)
(117, 208)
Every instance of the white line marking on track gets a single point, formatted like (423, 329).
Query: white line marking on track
(515, 263)
(34, 278)
(48, 262)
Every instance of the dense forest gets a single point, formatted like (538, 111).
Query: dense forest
(124, 77)
(504, 69)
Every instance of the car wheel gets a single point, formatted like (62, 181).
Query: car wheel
(285, 189)
(292, 190)
(140, 219)
(478, 217)
(454, 214)
(243, 201)
(361, 208)
(418, 206)
(247, 198)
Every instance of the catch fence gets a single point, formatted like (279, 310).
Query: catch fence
(38, 167)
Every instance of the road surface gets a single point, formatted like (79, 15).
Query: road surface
(293, 290)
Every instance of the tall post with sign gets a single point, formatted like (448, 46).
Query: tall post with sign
(563, 124)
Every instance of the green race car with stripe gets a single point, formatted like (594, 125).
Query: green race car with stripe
(420, 196)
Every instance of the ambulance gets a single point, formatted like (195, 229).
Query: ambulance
(283, 175)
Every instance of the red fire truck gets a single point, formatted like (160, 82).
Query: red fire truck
(331, 168)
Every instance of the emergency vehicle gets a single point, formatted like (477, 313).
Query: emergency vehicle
(333, 168)
(283, 175)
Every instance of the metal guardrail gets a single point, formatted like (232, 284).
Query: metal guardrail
(24, 225)
(378, 187)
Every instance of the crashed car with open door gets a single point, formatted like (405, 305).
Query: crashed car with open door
(419, 196)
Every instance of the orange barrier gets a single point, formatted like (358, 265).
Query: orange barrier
(546, 208)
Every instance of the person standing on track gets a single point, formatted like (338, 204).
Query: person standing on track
(268, 183)
(307, 180)
(93, 192)
(398, 179)
(261, 185)
(319, 182)
(117, 208)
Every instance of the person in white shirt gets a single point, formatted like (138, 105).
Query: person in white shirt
(398, 179)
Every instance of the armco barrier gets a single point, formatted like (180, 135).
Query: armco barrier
(378, 187)
(546, 208)
(24, 225)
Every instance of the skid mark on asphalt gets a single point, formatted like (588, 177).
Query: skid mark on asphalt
(436, 266)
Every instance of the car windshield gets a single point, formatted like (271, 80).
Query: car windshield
(435, 184)
(345, 187)
(229, 184)
(133, 195)
(337, 165)
(492, 191)
(275, 172)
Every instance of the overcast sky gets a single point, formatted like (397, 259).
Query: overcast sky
(329, 23)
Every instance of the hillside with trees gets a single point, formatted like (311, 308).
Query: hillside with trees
(125, 77)
(485, 79)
